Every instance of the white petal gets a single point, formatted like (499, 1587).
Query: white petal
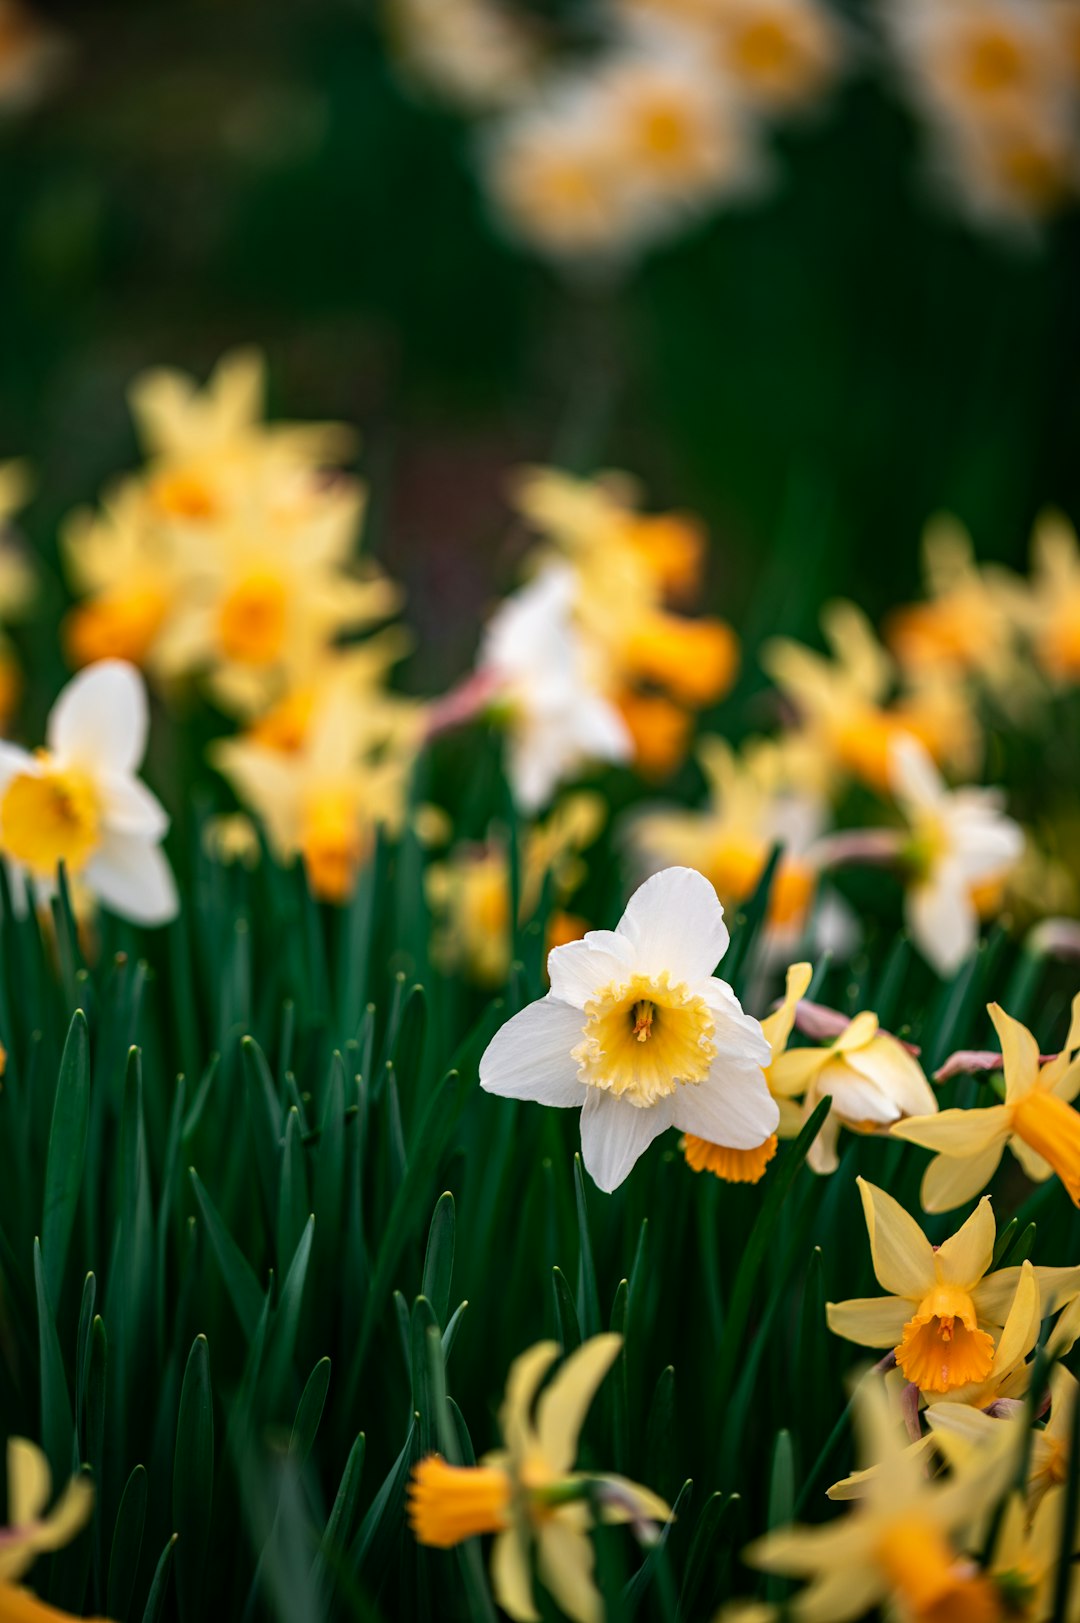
(675, 923)
(730, 1107)
(580, 970)
(101, 718)
(132, 877)
(614, 1134)
(736, 1033)
(916, 781)
(943, 921)
(130, 807)
(530, 1057)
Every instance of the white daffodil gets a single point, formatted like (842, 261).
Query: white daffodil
(536, 661)
(962, 846)
(639, 1033)
(78, 800)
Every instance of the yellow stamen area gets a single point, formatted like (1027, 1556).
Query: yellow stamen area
(117, 625)
(659, 729)
(734, 1166)
(673, 547)
(933, 1582)
(665, 136)
(645, 1038)
(49, 817)
(695, 660)
(1051, 1128)
(184, 495)
(994, 64)
(942, 1346)
(253, 619)
(284, 727)
(765, 53)
(449, 1503)
(333, 845)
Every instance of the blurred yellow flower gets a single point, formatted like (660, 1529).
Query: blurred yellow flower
(905, 1544)
(1055, 598)
(1036, 1121)
(478, 54)
(32, 1532)
(129, 572)
(844, 707)
(528, 1492)
(325, 800)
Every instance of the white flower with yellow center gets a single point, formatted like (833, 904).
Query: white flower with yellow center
(639, 1033)
(78, 800)
(962, 845)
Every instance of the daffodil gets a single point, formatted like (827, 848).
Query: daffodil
(528, 1492)
(542, 684)
(1026, 1557)
(944, 1305)
(79, 801)
(905, 1545)
(962, 845)
(470, 890)
(477, 54)
(763, 797)
(325, 800)
(1035, 1120)
(779, 56)
(849, 710)
(1054, 611)
(748, 1166)
(956, 1426)
(869, 1077)
(639, 1034)
(129, 571)
(32, 1532)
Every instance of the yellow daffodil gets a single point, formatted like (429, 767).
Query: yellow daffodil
(844, 706)
(639, 1034)
(869, 1077)
(31, 1532)
(1036, 1120)
(477, 54)
(128, 570)
(470, 891)
(956, 1426)
(943, 1306)
(528, 1493)
(1000, 1391)
(325, 800)
(904, 1545)
(1024, 1565)
(1054, 614)
(79, 801)
(778, 55)
(748, 1166)
(962, 849)
(763, 797)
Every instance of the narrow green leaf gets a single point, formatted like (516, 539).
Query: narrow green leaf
(655, 1564)
(439, 1257)
(310, 1412)
(382, 1524)
(339, 1527)
(423, 1320)
(66, 1154)
(294, 1204)
(127, 1544)
(193, 1482)
(660, 1435)
(281, 1341)
(264, 1116)
(155, 1600)
(238, 1274)
(700, 1575)
(57, 1425)
(567, 1329)
(588, 1300)
(781, 1502)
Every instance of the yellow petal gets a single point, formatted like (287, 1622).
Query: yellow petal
(903, 1257)
(70, 1513)
(20, 1606)
(1020, 1052)
(510, 1577)
(993, 1295)
(561, 1411)
(525, 1375)
(1058, 1075)
(966, 1255)
(29, 1481)
(870, 1321)
(956, 1132)
(565, 1558)
(638, 1502)
(862, 1030)
(1022, 1326)
(951, 1180)
(792, 1072)
(778, 1025)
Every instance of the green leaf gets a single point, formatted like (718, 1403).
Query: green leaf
(67, 1153)
(238, 1274)
(588, 1300)
(264, 1115)
(781, 1502)
(382, 1524)
(127, 1544)
(294, 1204)
(309, 1413)
(700, 1575)
(439, 1257)
(155, 1600)
(660, 1435)
(82, 1355)
(281, 1341)
(655, 1564)
(330, 1556)
(567, 1329)
(57, 1425)
(193, 1482)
